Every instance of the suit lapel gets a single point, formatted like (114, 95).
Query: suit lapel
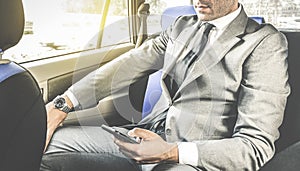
(179, 46)
(218, 50)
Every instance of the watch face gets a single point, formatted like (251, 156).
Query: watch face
(59, 102)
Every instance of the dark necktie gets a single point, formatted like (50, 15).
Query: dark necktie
(180, 70)
(200, 44)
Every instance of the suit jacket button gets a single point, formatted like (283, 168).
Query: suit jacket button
(168, 131)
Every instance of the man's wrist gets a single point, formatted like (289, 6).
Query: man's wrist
(72, 98)
(54, 115)
(173, 155)
(68, 101)
(63, 104)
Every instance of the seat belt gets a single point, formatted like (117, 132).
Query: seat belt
(143, 13)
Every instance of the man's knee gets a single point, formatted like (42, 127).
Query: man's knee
(87, 161)
(174, 167)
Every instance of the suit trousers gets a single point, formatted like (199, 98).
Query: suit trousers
(86, 148)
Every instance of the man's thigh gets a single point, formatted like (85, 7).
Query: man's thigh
(84, 148)
(81, 139)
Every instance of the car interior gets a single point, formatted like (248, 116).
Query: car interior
(19, 81)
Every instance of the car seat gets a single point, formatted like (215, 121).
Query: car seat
(23, 115)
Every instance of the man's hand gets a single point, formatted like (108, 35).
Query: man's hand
(152, 148)
(54, 118)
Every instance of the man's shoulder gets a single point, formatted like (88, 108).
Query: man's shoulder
(269, 28)
(261, 31)
(265, 33)
(181, 23)
(266, 28)
(185, 21)
(188, 18)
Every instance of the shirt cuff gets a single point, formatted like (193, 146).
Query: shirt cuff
(188, 153)
(72, 99)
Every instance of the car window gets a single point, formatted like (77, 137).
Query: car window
(284, 14)
(116, 28)
(57, 27)
(156, 9)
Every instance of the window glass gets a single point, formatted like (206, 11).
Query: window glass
(156, 9)
(57, 27)
(284, 14)
(116, 26)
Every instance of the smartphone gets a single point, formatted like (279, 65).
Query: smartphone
(120, 134)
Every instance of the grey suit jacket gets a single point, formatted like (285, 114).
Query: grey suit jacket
(231, 103)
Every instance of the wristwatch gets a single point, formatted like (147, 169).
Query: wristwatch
(61, 104)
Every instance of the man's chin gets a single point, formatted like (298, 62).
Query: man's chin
(204, 17)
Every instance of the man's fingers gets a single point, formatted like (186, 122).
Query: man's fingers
(139, 159)
(142, 133)
(130, 151)
(127, 154)
(48, 138)
(124, 146)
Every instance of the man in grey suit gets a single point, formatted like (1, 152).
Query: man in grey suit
(223, 114)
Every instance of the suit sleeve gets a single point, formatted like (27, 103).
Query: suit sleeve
(261, 102)
(121, 72)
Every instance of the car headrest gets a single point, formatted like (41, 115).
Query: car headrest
(170, 14)
(12, 23)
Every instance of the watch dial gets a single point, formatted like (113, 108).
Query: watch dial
(59, 103)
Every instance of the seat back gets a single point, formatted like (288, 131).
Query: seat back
(23, 114)
(169, 15)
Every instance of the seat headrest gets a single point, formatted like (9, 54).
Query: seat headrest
(12, 23)
(170, 14)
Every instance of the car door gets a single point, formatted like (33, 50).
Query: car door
(64, 40)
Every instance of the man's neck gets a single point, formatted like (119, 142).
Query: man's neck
(223, 22)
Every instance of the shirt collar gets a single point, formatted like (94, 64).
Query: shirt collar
(222, 22)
